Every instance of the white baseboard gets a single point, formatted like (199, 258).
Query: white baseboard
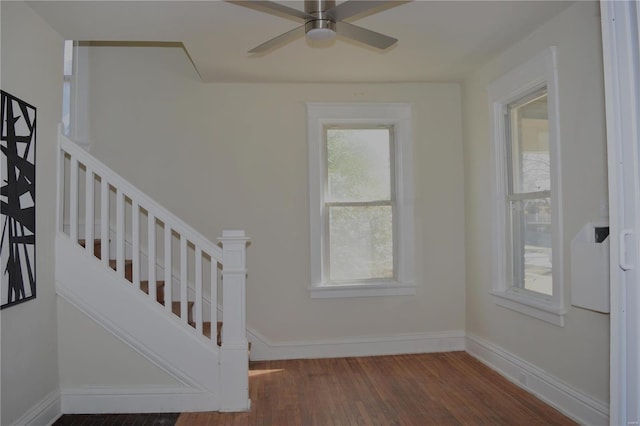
(105, 400)
(573, 403)
(45, 412)
(262, 349)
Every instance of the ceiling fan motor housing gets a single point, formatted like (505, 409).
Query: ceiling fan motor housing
(313, 7)
(319, 24)
(323, 27)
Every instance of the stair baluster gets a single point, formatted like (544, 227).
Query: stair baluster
(88, 212)
(183, 279)
(120, 233)
(151, 254)
(168, 277)
(73, 200)
(135, 243)
(213, 298)
(104, 220)
(198, 283)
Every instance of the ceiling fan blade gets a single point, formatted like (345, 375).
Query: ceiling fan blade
(272, 7)
(351, 8)
(279, 40)
(364, 35)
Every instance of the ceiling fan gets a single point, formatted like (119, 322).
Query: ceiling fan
(323, 20)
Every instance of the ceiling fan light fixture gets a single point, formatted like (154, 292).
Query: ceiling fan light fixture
(320, 29)
(323, 20)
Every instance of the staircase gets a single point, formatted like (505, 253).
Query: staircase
(154, 282)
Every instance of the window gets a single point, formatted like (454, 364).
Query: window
(360, 185)
(529, 193)
(528, 268)
(66, 86)
(359, 203)
(75, 92)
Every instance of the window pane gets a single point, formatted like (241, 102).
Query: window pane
(530, 159)
(66, 106)
(360, 243)
(66, 86)
(531, 229)
(359, 167)
(68, 57)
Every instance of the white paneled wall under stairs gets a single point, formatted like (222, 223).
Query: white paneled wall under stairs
(154, 282)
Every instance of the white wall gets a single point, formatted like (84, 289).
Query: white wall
(576, 354)
(225, 156)
(32, 71)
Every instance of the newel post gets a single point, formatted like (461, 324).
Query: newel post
(234, 355)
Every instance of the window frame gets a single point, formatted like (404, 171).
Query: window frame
(78, 84)
(367, 115)
(68, 89)
(524, 80)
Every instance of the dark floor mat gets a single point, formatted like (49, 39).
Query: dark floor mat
(151, 419)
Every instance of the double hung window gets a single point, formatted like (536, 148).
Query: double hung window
(66, 86)
(361, 216)
(359, 203)
(528, 217)
(529, 192)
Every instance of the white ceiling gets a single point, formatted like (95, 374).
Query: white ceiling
(438, 40)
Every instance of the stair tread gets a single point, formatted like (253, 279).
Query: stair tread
(144, 286)
(177, 303)
(206, 330)
(128, 268)
(176, 308)
(114, 262)
(97, 246)
(83, 242)
(159, 283)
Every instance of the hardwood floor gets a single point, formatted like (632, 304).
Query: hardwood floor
(449, 388)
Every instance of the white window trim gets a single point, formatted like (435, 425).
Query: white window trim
(398, 115)
(537, 72)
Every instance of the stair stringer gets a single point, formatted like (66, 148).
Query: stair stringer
(141, 323)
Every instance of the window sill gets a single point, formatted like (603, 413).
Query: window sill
(530, 305)
(362, 290)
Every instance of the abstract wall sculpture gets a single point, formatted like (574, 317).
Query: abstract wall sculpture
(18, 195)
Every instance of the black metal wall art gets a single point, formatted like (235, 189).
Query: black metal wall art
(18, 196)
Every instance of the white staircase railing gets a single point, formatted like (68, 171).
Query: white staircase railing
(167, 260)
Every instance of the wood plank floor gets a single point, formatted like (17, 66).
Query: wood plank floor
(449, 388)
